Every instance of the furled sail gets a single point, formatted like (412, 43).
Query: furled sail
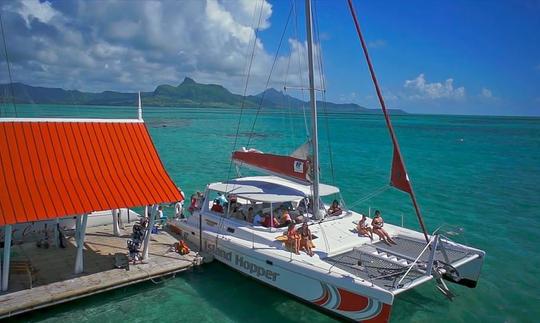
(295, 167)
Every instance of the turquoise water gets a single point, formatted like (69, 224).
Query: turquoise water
(481, 174)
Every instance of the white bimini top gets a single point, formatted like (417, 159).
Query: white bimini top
(270, 189)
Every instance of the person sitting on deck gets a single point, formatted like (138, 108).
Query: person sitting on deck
(364, 229)
(217, 207)
(249, 215)
(270, 221)
(285, 219)
(237, 213)
(377, 224)
(222, 200)
(305, 242)
(335, 209)
(293, 239)
(258, 219)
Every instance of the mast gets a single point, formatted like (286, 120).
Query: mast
(313, 103)
(399, 178)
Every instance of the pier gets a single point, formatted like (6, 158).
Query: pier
(44, 277)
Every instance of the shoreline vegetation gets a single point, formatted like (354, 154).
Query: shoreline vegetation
(187, 94)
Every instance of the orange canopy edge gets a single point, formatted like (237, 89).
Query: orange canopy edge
(51, 169)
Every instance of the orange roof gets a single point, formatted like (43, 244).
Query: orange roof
(54, 168)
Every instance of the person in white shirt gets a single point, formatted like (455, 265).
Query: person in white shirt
(179, 210)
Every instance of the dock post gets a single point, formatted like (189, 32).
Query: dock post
(79, 235)
(151, 222)
(7, 253)
(56, 233)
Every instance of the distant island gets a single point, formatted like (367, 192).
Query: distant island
(187, 94)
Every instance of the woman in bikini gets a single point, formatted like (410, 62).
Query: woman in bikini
(377, 224)
(293, 239)
(364, 229)
(305, 242)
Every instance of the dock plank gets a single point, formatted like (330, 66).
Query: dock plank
(54, 279)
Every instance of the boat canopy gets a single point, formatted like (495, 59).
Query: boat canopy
(271, 189)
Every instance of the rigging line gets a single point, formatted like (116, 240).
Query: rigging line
(289, 109)
(8, 66)
(387, 118)
(269, 77)
(376, 192)
(323, 86)
(242, 105)
(300, 73)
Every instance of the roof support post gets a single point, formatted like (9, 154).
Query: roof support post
(80, 231)
(151, 223)
(116, 228)
(271, 217)
(7, 254)
(56, 233)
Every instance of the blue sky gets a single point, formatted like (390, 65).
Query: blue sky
(452, 57)
(489, 48)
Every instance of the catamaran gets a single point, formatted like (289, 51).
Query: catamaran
(350, 275)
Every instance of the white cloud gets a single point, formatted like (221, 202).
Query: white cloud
(378, 43)
(34, 9)
(145, 43)
(486, 93)
(419, 88)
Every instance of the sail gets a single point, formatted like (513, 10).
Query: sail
(289, 167)
(399, 178)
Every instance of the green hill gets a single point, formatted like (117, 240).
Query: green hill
(187, 94)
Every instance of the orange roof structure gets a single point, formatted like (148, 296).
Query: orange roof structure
(51, 168)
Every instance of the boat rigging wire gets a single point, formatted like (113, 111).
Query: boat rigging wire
(248, 73)
(8, 67)
(276, 56)
(397, 151)
(323, 87)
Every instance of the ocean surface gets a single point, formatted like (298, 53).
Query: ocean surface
(477, 176)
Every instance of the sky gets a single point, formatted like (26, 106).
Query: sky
(437, 57)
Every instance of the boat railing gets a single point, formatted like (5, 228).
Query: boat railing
(431, 246)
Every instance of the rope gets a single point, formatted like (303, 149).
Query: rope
(323, 85)
(8, 67)
(376, 192)
(249, 65)
(269, 77)
(387, 118)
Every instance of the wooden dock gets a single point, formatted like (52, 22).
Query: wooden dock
(44, 277)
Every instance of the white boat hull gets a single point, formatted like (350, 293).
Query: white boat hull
(325, 290)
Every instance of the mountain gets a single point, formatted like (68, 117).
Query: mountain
(187, 94)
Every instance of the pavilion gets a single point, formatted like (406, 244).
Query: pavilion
(52, 168)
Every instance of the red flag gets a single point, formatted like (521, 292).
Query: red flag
(399, 178)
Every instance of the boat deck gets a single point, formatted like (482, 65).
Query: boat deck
(52, 281)
(384, 265)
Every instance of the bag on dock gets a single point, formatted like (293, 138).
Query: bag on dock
(181, 247)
